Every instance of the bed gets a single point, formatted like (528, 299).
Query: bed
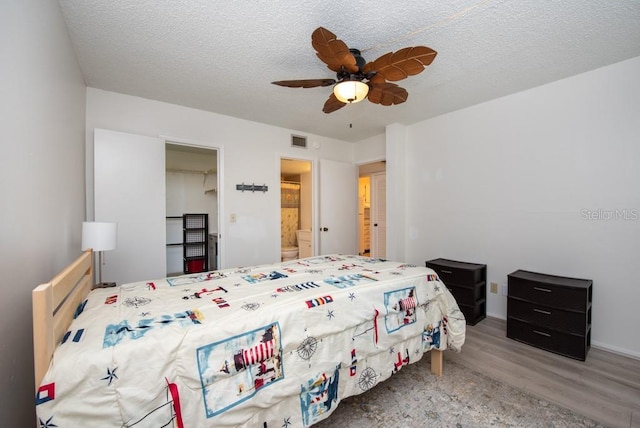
(262, 346)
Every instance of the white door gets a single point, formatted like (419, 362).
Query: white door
(338, 207)
(379, 215)
(129, 188)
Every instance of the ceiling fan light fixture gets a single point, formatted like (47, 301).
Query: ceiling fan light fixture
(351, 91)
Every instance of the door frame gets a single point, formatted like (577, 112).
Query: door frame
(314, 195)
(359, 165)
(376, 250)
(220, 190)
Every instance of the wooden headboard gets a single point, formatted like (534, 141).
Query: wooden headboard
(54, 306)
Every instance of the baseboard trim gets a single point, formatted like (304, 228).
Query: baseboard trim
(596, 345)
(615, 350)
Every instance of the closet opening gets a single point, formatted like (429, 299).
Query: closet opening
(191, 209)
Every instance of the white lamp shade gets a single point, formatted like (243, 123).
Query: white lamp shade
(100, 236)
(351, 91)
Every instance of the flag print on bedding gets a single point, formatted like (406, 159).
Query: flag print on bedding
(46, 393)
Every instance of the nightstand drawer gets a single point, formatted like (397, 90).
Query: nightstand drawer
(569, 345)
(548, 317)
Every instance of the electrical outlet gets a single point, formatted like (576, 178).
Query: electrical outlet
(494, 287)
(232, 218)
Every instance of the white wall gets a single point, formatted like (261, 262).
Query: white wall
(510, 183)
(369, 150)
(306, 200)
(251, 154)
(398, 194)
(41, 180)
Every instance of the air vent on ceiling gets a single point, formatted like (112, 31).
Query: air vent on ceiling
(298, 141)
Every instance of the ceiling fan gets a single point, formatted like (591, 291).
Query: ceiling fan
(357, 79)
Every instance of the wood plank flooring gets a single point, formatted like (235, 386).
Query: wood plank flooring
(605, 387)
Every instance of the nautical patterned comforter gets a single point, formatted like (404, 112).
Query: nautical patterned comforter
(266, 346)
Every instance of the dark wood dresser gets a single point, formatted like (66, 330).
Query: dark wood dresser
(550, 312)
(468, 284)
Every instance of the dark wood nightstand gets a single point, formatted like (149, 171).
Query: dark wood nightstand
(550, 312)
(468, 284)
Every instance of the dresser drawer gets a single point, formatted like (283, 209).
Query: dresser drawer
(548, 317)
(466, 295)
(473, 314)
(543, 290)
(459, 273)
(570, 345)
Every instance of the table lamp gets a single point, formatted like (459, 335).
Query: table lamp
(100, 236)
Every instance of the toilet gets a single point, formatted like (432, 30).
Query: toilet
(302, 238)
(289, 253)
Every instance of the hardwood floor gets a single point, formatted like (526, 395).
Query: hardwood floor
(605, 387)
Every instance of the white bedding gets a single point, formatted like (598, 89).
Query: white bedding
(266, 346)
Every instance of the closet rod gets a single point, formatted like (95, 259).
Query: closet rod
(191, 171)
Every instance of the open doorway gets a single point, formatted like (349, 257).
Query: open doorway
(296, 209)
(372, 209)
(191, 188)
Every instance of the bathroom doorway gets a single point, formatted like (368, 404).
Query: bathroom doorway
(296, 209)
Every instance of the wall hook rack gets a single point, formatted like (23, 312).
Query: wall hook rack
(252, 187)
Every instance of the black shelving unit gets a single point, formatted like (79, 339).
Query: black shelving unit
(195, 232)
(550, 312)
(468, 284)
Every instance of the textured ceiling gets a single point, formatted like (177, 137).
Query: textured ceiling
(221, 56)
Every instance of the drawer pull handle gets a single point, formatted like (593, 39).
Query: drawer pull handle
(546, 290)
(446, 271)
(540, 311)
(541, 333)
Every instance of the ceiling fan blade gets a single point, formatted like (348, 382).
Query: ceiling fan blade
(333, 51)
(332, 104)
(399, 65)
(387, 94)
(377, 79)
(305, 83)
